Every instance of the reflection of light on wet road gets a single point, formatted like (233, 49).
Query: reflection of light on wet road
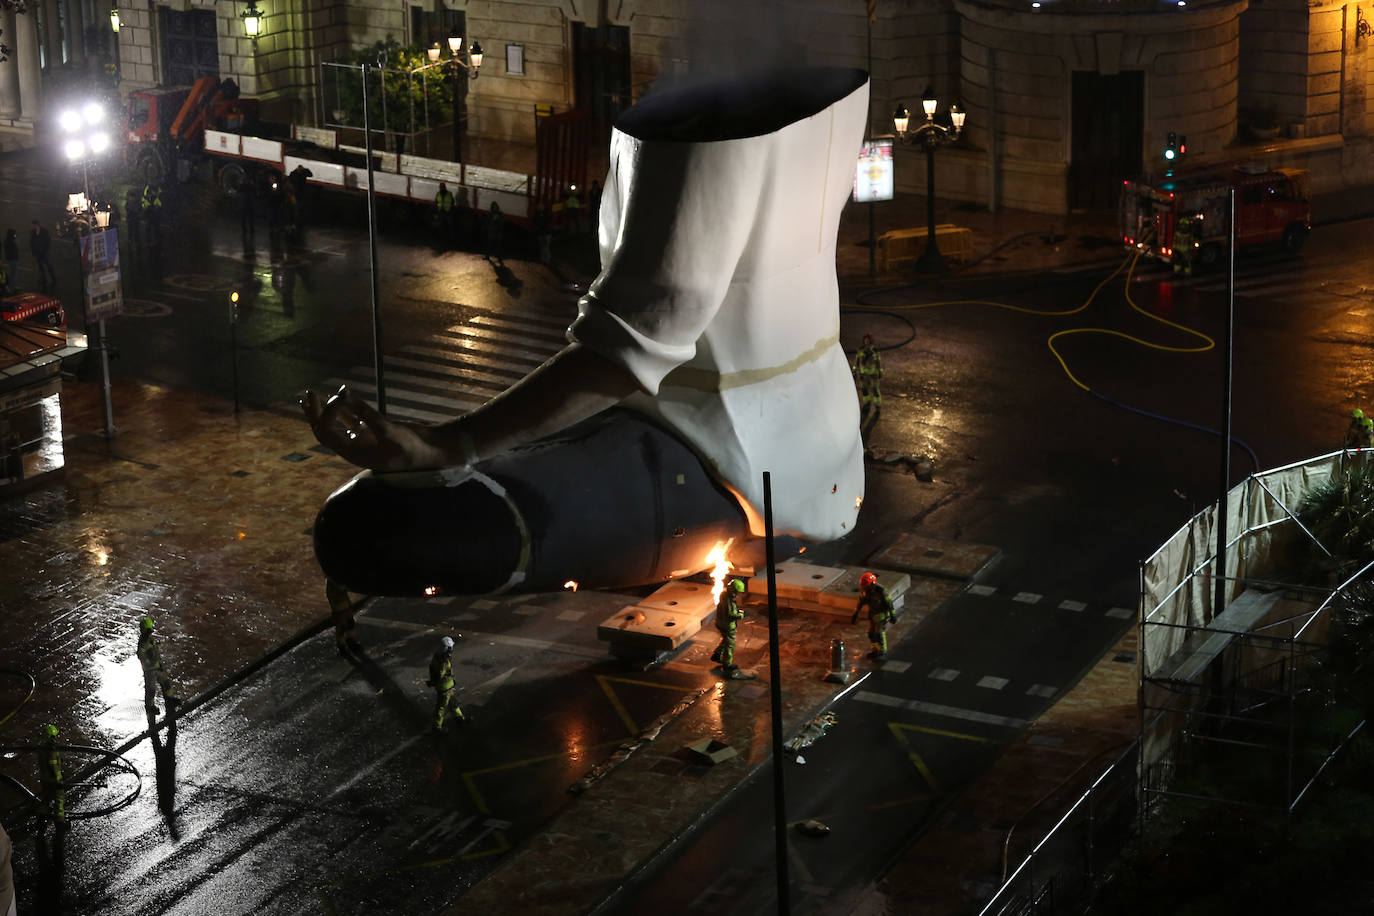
(97, 548)
(49, 452)
(575, 739)
(118, 683)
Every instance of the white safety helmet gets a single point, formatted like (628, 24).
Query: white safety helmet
(448, 642)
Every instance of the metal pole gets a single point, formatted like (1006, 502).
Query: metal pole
(1219, 604)
(930, 260)
(930, 196)
(100, 324)
(372, 249)
(457, 115)
(105, 379)
(868, 131)
(775, 674)
(234, 350)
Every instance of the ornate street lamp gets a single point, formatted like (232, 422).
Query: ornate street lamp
(930, 136)
(459, 62)
(86, 138)
(252, 21)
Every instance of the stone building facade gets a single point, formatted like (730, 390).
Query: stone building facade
(1064, 97)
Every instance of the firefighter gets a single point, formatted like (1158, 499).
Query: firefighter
(151, 211)
(1354, 433)
(50, 775)
(868, 371)
(728, 616)
(154, 674)
(441, 679)
(443, 208)
(1185, 245)
(572, 210)
(880, 613)
(133, 216)
(341, 610)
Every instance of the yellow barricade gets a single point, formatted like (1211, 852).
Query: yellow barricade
(956, 244)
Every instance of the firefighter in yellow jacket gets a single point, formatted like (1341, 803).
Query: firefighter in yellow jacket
(155, 675)
(728, 616)
(441, 679)
(868, 373)
(50, 775)
(880, 613)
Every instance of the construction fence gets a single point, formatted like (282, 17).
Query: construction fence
(1200, 665)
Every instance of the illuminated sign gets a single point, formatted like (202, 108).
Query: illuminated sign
(873, 175)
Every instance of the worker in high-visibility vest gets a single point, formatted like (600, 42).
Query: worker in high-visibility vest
(1354, 433)
(50, 775)
(728, 616)
(443, 209)
(868, 372)
(880, 613)
(155, 675)
(1185, 245)
(441, 679)
(152, 212)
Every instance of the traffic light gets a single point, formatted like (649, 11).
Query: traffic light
(1171, 147)
(1182, 146)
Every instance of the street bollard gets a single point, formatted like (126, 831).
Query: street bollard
(839, 669)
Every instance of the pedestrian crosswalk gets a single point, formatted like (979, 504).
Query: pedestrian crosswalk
(461, 368)
(1256, 278)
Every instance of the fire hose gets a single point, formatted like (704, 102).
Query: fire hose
(1128, 263)
(109, 758)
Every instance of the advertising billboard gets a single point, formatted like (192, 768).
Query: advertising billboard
(873, 174)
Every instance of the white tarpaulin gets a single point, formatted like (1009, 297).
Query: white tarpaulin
(1177, 586)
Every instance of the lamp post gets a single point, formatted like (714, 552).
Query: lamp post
(931, 136)
(252, 21)
(87, 138)
(460, 63)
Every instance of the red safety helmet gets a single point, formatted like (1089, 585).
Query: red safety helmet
(867, 579)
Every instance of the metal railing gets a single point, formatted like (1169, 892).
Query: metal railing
(1060, 871)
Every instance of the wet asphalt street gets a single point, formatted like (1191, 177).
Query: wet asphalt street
(307, 784)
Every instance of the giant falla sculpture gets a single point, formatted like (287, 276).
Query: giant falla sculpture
(705, 353)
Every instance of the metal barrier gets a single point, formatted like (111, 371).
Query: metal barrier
(1059, 872)
(956, 244)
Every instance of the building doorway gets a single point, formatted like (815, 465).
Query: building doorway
(601, 66)
(190, 47)
(1108, 135)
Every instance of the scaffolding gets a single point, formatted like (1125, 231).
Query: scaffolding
(1233, 690)
(407, 104)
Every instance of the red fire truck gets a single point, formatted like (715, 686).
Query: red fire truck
(1271, 206)
(38, 307)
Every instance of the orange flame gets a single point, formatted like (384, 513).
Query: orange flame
(570, 585)
(720, 567)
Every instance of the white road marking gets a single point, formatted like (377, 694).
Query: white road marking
(936, 709)
(982, 590)
(1121, 613)
(1041, 690)
(1027, 597)
(992, 683)
(943, 674)
(403, 746)
(1071, 605)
